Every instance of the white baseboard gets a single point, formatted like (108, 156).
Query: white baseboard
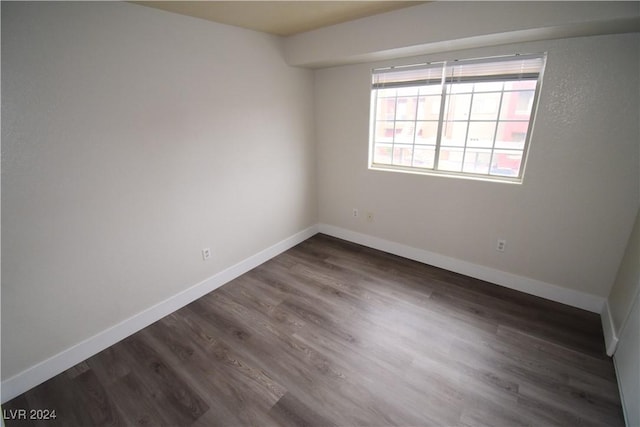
(627, 363)
(527, 285)
(64, 360)
(609, 329)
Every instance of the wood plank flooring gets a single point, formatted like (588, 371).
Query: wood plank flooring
(330, 333)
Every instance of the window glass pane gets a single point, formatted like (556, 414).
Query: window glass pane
(404, 132)
(511, 135)
(480, 127)
(431, 90)
(524, 103)
(454, 133)
(520, 85)
(477, 161)
(386, 93)
(506, 163)
(460, 88)
(457, 107)
(516, 105)
(488, 87)
(382, 154)
(429, 107)
(450, 159)
(485, 106)
(402, 155)
(426, 132)
(408, 91)
(423, 156)
(386, 109)
(406, 107)
(384, 131)
(481, 134)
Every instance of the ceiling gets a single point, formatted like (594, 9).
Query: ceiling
(282, 18)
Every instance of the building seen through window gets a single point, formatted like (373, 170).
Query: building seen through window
(466, 118)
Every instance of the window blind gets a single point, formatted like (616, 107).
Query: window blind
(520, 67)
(424, 74)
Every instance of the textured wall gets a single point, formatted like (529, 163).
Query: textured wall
(627, 284)
(567, 224)
(131, 139)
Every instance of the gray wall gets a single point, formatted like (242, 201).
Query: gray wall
(567, 224)
(627, 284)
(131, 139)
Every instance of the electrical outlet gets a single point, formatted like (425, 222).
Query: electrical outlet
(370, 216)
(206, 254)
(501, 245)
(355, 212)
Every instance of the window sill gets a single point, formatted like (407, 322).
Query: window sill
(446, 174)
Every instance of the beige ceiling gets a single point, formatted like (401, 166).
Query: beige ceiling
(283, 18)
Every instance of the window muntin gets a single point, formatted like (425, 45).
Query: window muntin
(470, 117)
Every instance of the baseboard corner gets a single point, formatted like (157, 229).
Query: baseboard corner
(550, 291)
(58, 363)
(608, 329)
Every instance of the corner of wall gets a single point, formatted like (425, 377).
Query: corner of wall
(550, 291)
(66, 359)
(608, 329)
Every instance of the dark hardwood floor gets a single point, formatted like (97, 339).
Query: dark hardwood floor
(330, 333)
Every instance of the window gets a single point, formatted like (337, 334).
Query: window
(469, 118)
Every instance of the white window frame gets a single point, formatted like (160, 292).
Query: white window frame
(423, 75)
